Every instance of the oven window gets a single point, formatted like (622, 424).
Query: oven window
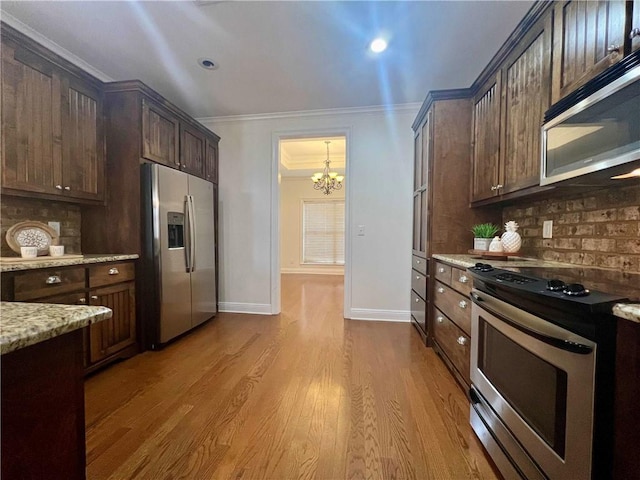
(536, 389)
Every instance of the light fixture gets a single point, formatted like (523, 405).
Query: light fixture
(327, 181)
(378, 45)
(207, 63)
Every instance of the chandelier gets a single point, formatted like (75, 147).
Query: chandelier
(327, 181)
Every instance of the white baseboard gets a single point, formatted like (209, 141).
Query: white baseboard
(313, 271)
(380, 315)
(255, 308)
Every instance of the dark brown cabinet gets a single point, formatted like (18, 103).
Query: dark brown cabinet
(211, 161)
(192, 151)
(52, 125)
(588, 38)
(160, 135)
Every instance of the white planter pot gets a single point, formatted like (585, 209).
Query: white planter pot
(481, 244)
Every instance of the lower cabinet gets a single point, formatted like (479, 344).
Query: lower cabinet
(110, 284)
(452, 319)
(419, 299)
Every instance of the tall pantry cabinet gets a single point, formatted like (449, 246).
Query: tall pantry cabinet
(442, 218)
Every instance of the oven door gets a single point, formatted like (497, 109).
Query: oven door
(538, 379)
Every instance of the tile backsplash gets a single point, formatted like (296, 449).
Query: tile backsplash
(18, 209)
(597, 228)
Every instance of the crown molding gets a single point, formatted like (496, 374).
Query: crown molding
(376, 109)
(53, 46)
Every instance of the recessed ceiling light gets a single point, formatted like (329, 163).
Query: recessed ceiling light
(207, 63)
(378, 45)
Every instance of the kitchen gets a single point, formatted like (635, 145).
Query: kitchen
(246, 279)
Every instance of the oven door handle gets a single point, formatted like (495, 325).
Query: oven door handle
(536, 327)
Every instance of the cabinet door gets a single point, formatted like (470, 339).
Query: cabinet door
(191, 150)
(211, 162)
(83, 141)
(588, 38)
(527, 76)
(31, 122)
(118, 332)
(486, 141)
(160, 131)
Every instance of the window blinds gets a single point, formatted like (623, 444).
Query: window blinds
(323, 232)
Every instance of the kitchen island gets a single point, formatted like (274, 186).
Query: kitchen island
(43, 431)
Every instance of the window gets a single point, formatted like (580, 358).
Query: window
(323, 232)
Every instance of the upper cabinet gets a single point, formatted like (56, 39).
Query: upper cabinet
(160, 130)
(211, 161)
(192, 150)
(52, 125)
(588, 38)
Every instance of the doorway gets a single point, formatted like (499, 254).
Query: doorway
(310, 226)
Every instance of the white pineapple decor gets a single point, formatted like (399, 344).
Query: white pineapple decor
(511, 241)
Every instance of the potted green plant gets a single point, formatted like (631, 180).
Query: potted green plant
(483, 233)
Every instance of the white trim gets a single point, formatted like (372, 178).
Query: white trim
(275, 210)
(313, 270)
(53, 46)
(397, 108)
(403, 316)
(255, 308)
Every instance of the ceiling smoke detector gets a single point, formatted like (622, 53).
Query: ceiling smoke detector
(207, 63)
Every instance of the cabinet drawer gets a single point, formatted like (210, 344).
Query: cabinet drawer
(443, 273)
(420, 264)
(111, 273)
(49, 282)
(419, 310)
(419, 284)
(77, 298)
(454, 306)
(461, 281)
(454, 342)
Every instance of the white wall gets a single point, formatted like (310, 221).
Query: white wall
(293, 191)
(379, 185)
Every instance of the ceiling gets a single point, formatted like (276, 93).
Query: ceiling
(302, 157)
(277, 56)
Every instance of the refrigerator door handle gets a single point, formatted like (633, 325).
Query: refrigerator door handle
(188, 234)
(192, 232)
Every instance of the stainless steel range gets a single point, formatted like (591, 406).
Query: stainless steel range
(542, 369)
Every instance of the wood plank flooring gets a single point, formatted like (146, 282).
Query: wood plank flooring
(302, 395)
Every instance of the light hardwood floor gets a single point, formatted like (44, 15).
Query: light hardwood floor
(301, 395)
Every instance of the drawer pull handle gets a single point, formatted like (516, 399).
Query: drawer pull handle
(94, 297)
(417, 277)
(463, 279)
(462, 304)
(417, 300)
(82, 301)
(114, 271)
(53, 279)
(441, 270)
(440, 290)
(418, 262)
(58, 187)
(462, 341)
(439, 319)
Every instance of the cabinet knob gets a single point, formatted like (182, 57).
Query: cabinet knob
(635, 32)
(493, 188)
(462, 304)
(94, 297)
(440, 290)
(67, 188)
(499, 186)
(418, 262)
(439, 319)
(463, 279)
(58, 187)
(114, 271)
(82, 301)
(613, 49)
(417, 277)
(462, 340)
(441, 270)
(53, 279)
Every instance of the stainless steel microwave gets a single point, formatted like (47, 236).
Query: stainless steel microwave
(596, 138)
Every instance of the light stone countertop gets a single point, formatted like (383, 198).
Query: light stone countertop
(25, 324)
(628, 311)
(52, 262)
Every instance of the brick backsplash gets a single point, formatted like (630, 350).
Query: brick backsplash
(600, 227)
(18, 209)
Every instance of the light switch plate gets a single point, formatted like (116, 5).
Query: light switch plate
(361, 230)
(547, 229)
(55, 226)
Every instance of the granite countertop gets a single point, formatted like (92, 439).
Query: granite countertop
(24, 324)
(628, 311)
(52, 262)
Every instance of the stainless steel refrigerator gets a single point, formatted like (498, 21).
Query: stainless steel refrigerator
(179, 264)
